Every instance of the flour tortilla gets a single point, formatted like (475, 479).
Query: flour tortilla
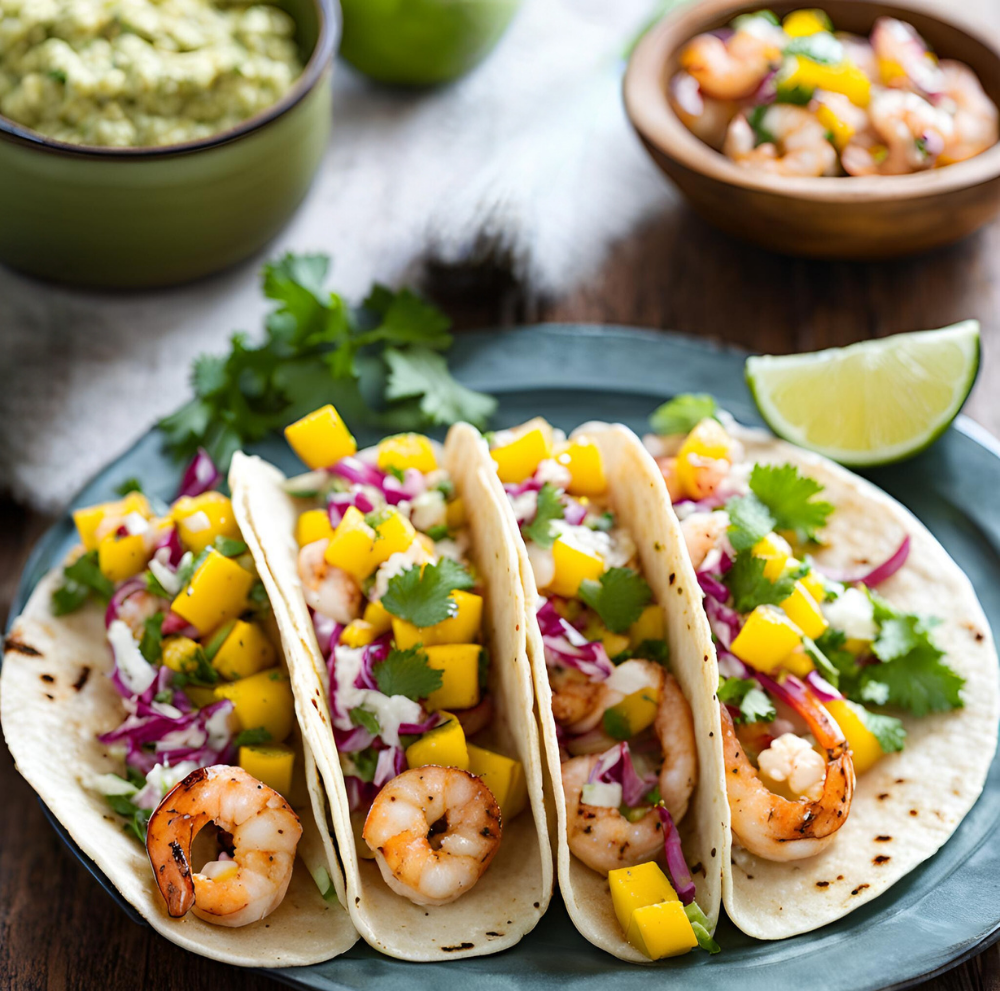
(908, 805)
(514, 893)
(640, 502)
(55, 698)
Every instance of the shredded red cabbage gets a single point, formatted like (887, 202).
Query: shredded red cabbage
(724, 621)
(339, 502)
(200, 476)
(616, 766)
(674, 854)
(352, 740)
(127, 588)
(565, 646)
(360, 794)
(878, 574)
(327, 632)
(355, 471)
(391, 762)
(711, 585)
(528, 485)
(418, 729)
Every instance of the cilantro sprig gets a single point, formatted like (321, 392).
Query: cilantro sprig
(683, 413)
(423, 597)
(81, 580)
(750, 588)
(382, 364)
(406, 672)
(749, 698)
(550, 508)
(618, 597)
(788, 497)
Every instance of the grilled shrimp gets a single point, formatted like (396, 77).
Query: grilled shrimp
(732, 69)
(800, 146)
(783, 829)
(704, 116)
(265, 833)
(702, 532)
(674, 728)
(974, 114)
(434, 831)
(327, 589)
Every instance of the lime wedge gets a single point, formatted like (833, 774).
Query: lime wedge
(869, 403)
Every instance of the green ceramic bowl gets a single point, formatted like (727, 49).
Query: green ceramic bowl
(422, 42)
(143, 217)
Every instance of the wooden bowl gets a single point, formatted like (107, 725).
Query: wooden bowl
(867, 217)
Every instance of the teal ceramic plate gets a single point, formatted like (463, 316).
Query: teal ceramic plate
(940, 914)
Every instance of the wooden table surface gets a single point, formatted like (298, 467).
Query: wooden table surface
(59, 930)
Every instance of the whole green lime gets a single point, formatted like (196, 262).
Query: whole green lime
(421, 42)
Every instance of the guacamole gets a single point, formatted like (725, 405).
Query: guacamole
(140, 73)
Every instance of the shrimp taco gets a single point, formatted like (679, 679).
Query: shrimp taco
(145, 696)
(858, 691)
(398, 585)
(620, 678)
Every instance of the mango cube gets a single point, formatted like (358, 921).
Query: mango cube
(200, 519)
(200, 695)
(661, 930)
(813, 584)
(263, 700)
(352, 545)
(865, 749)
(706, 443)
(122, 557)
(407, 451)
(804, 611)
(89, 519)
(614, 643)
(582, 458)
(572, 566)
(841, 129)
(245, 651)
(454, 513)
(313, 525)
(271, 765)
(649, 626)
(378, 618)
(444, 745)
(179, 653)
(776, 552)
(807, 75)
(321, 439)
(800, 23)
(633, 714)
(504, 776)
(392, 536)
(459, 667)
(460, 628)
(637, 887)
(357, 633)
(217, 592)
(767, 638)
(798, 662)
(520, 458)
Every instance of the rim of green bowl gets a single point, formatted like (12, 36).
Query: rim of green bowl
(330, 27)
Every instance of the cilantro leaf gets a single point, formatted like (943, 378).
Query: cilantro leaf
(824, 665)
(424, 598)
(136, 819)
(657, 651)
(618, 597)
(365, 761)
(129, 485)
(752, 701)
(68, 597)
(888, 730)
(252, 737)
(200, 673)
(81, 579)
(749, 521)
(701, 928)
(228, 547)
(550, 508)
(406, 672)
(151, 644)
(366, 719)
(407, 319)
(439, 532)
(789, 498)
(419, 373)
(683, 413)
(154, 587)
(745, 579)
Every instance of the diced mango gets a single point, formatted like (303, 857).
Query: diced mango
(582, 457)
(707, 443)
(637, 887)
(865, 749)
(572, 566)
(444, 745)
(378, 618)
(179, 653)
(460, 628)
(813, 584)
(798, 662)
(352, 545)
(614, 643)
(122, 557)
(776, 552)
(504, 776)
(454, 513)
(262, 701)
(767, 638)
(313, 525)
(459, 667)
(89, 519)
(200, 695)
(245, 651)
(358, 633)
(841, 129)
(845, 77)
(321, 439)
(270, 764)
(392, 536)
(200, 519)
(649, 626)
(661, 930)
(800, 23)
(858, 647)
(407, 451)
(804, 611)
(520, 458)
(217, 593)
(633, 714)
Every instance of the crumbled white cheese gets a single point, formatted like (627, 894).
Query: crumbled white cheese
(396, 563)
(632, 676)
(852, 613)
(197, 522)
(551, 471)
(428, 510)
(605, 795)
(135, 523)
(165, 575)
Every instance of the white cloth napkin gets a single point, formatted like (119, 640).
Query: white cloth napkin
(531, 155)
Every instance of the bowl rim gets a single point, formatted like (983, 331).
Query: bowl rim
(649, 110)
(330, 28)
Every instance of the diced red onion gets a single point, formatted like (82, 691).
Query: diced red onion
(391, 762)
(355, 470)
(352, 740)
(687, 94)
(767, 91)
(878, 574)
(173, 623)
(615, 766)
(170, 540)
(360, 794)
(574, 512)
(821, 688)
(127, 588)
(418, 729)
(725, 621)
(674, 854)
(711, 585)
(528, 485)
(339, 502)
(200, 476)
